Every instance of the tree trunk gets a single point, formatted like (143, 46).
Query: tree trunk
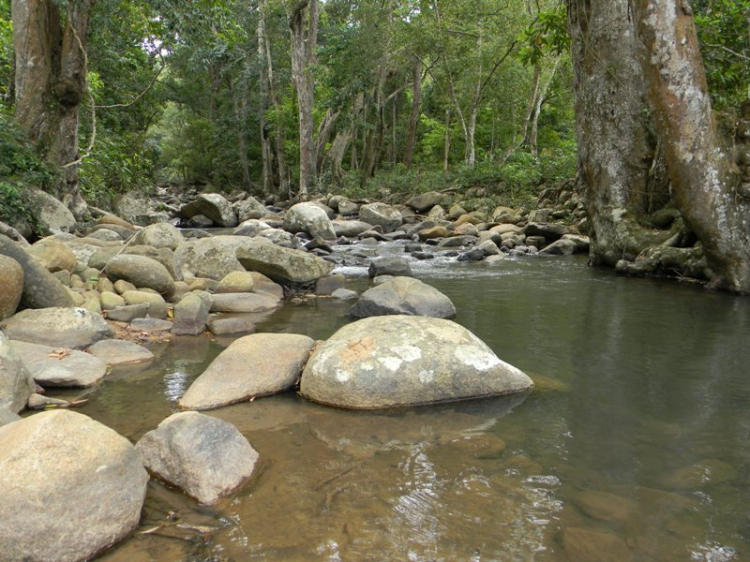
(51, 68)
(447, 141)
(264, 87)
(324, 136)
(615, 148)
(416, 100)
(704, 179)
(303, 25)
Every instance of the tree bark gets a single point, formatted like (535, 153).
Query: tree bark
(303, 25)
(51, 67)
(615, 148)
(416, 100)
(704, 178)
(264, 102)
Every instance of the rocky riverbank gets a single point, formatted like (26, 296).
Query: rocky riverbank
(74, 305)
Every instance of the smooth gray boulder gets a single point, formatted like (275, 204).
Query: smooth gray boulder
(254, 365)
(11, 281)
(120, 352)
(162, 235)
(191, 314)
(141, 271)
(50, 215)
(282, 265)
(403, 295)
(393, 361)
(16, 384)
(250, 228)
(53, 255)
(381, 214)
(561, 247)
(75, 328)
(6, 416)
(250, 208)
(389, 265)
(551, 231)
(157, 306)
(60, 367)
(232, 325)
(242, 302)
(425, 201)
(212, 258)
(236, 282)
(206, 457)
(309, 218)
(214, 206)
(70, 488)
(41, 289)
(350, 229)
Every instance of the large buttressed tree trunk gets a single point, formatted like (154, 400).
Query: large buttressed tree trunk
(704, 178)
(51, 80)
(616, 150)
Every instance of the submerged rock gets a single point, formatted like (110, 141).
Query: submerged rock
(403, 295)
(391, 361)
(255, 365)
(70, 487)
(50, 366)
(584, 545)
(75, 328)
(206, 457)
(120, 352)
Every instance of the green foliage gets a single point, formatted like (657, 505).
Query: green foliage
(725, 41)
(547, 33)
(6, 47)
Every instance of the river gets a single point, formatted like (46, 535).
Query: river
(635, 444)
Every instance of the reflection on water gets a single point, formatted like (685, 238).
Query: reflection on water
(634, 448)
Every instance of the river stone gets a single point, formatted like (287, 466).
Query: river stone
(75, 328)
(157, 306)
(255, 365)
(584, 545)
(53, 255)
(50, 215)
(11, 281)
(142, 272)
(41, 289)
(50, 366)
(212, 257)
(458, 241)
(214, 206)
(149, 325)
(403, 295)
(433, 232)
(282, 265)
(551, 231)
(390, 265)
(16, 384)
(344, 294)
(604, 506)
(700, 474)
(191, 314)
(350, 229)
(71, 487)
(6, 416)
(206, 457)
(242, 302)
(120, 352)
(236, 282)
(111, 300)
(250, 228)
(128, 313)
(250, 208)
(232, 325)
(309, 218)
(162, 235)
(390, 361)
(425, 201)
(380, 214)
(561, 247)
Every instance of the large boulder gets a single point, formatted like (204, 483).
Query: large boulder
(251, 227)
(75, 328)
(53, 255)
(214, 206)
(381, 214)
(351, 228)
(162, 235)
(389, 265)
(283, 265)
(250, 208)
(41, 289)
(120, 352)
(206, 457)
(71, 487)
(550, 231)
(135, 208)
(213, 257)
(425, 201)
(309, 218)
(16, 384)
(391, 361)
(242, 302)
(191, 314)
(50, 215)
(11, 280)
(50, 366)
(403, 295)
(255, 365)
(141, 271)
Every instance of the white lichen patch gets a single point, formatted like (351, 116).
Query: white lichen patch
(342, 376)
(408, 352)
(426, 377)
(477, 358)
(391, 363)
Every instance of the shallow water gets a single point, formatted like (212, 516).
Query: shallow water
(634, 445)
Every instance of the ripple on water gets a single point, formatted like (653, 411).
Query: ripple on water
(175, 385)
